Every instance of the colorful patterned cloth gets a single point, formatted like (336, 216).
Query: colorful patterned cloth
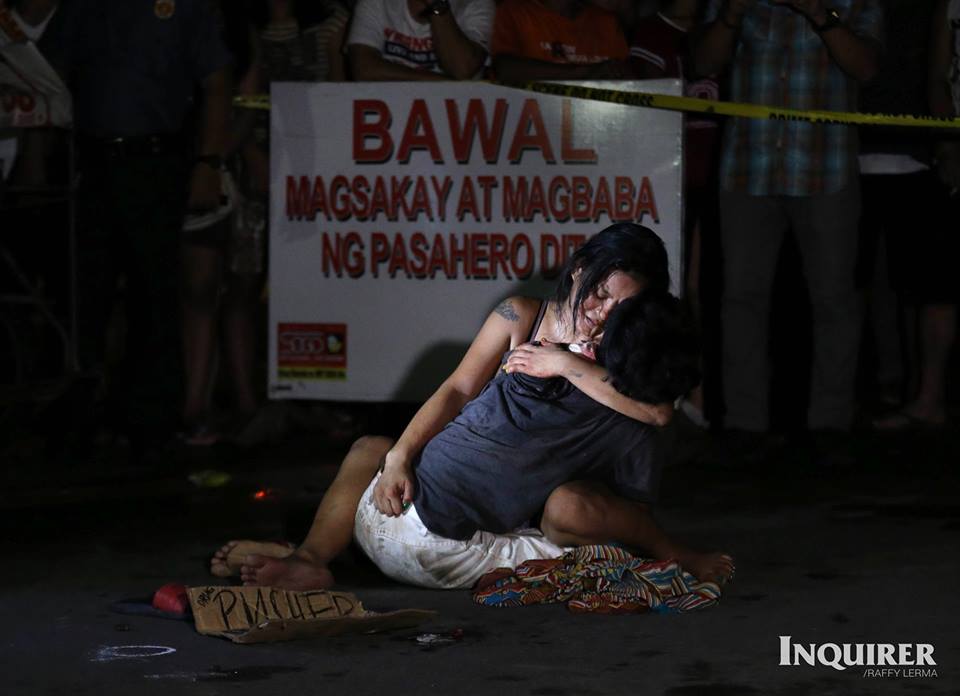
(598, 579)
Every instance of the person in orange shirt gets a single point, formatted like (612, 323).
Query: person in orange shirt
(557, 40)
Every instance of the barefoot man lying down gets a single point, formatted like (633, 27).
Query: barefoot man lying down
(556, 450)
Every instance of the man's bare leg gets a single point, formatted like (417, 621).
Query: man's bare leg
(307, 568)
(581, 513)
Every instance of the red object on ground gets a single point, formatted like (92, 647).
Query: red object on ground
(172, 598)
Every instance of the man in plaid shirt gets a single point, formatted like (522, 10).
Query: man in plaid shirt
(779, 175)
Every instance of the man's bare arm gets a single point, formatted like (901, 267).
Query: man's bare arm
(713, 49)
(459, 57)
(214, 139)
(856, 55)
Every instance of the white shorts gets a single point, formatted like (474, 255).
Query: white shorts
(405, 550)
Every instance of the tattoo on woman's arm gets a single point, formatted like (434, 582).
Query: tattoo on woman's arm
(505, 309)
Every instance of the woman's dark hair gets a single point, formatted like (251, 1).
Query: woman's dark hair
(650, 349)
(624, 246)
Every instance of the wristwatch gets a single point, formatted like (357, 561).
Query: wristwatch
(438, 8)
(214, 161)
(832, 21)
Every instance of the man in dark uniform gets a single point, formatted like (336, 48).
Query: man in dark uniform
(135, 69)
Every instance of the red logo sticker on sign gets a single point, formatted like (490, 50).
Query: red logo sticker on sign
(312, 351)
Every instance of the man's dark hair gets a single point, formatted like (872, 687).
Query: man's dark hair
(624, 246)
(649, 348)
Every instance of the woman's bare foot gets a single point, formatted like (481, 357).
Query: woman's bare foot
(708, 567)
(297, 571)
(230, 557)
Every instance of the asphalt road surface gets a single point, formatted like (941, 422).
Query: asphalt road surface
(860, 554)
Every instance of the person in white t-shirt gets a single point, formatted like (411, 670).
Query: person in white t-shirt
(419, 39)
(30, 147)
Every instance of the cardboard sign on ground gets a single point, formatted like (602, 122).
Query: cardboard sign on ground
(267, 614)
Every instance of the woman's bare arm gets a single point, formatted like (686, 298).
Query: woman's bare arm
(506, 326)
(594, 381)
(554, 360)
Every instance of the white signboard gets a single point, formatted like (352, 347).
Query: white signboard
(402, 213)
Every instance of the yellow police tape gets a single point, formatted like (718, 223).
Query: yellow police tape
(257, 101)
(704, 106)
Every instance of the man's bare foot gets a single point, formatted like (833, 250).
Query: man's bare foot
(228, 559)
(297, 571)
(708, 567)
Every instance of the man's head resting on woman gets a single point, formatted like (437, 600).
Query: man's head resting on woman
(626, 247)
(649, 349)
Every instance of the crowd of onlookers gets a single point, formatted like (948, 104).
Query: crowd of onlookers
(174, 181)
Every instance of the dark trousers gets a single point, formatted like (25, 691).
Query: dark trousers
(130, 215)
(826, 231)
